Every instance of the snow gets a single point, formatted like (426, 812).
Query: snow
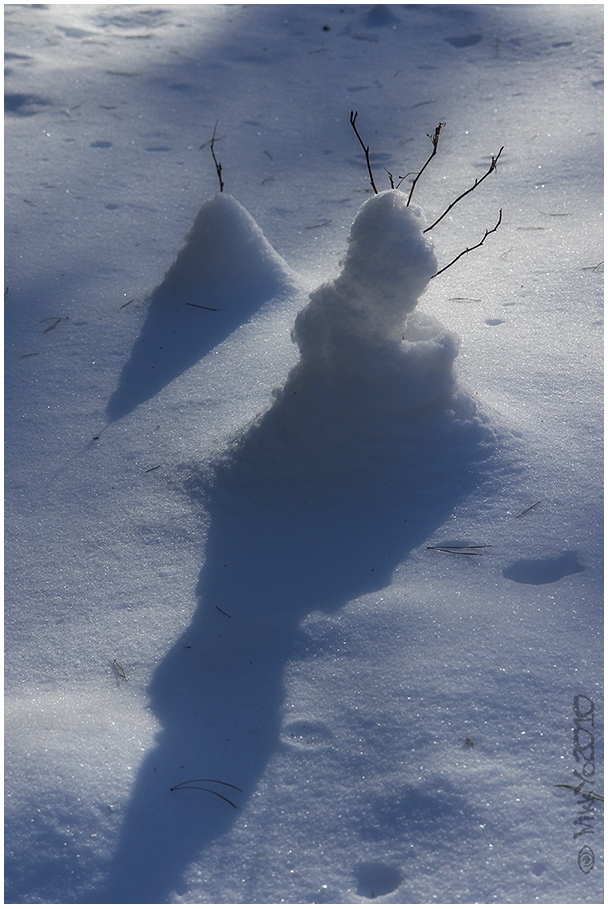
(225, 257)
(288, 514)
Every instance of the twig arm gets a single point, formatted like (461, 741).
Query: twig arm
(467, 191)
(470, 248)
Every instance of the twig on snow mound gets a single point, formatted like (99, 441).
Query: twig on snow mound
(434, 141)
(213, 154)
(366, 148)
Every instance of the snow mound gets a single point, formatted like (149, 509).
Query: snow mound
(373, 400)
(225, 259)
(225, 272)
(386, 268)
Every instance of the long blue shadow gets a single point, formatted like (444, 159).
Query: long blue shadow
(219, 691)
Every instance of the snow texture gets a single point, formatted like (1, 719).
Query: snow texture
(366, 421)
(374, 391)
(226, 267)
(303, 593)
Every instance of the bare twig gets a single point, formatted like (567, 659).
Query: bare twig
(530, 508)
(587, 796)
(321, 224)
(119, 670)
(460, 550)
(188, 784)
(57, 320)
(585, 268)
(467, 191)
(216, 162)
(69, 110)
(434, 140)
(199, 306)
(366, 148)
(470, 248)
(397, 185)
(401, 179)
(205, 780)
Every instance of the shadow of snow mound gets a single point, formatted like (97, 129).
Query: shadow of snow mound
(364, 452)
(21, 105)
(362, 434)
(381, 16)
(544, 571)
(225, 272)
(377, 879)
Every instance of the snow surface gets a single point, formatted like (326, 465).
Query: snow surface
(236, 422)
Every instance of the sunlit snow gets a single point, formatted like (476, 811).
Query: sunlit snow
(303, 534)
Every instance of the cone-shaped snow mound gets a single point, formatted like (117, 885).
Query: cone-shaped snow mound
(226, 259)
(225, 272)
(372, 404)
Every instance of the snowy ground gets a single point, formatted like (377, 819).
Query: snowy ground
(377, 720)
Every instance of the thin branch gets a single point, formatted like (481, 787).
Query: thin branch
(366, 148)
(216, 162)
(467, 191)
(188, 785)
(199, 306)
(587, 796)
(470, 248)
(401, 179)
(397, 185)
(205, 780)
(119, 670)
(463, 550)
(204, 789)
(434, 140)
(530, 508)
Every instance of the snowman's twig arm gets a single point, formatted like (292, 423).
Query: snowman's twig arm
(467, 191)
(470, 248)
